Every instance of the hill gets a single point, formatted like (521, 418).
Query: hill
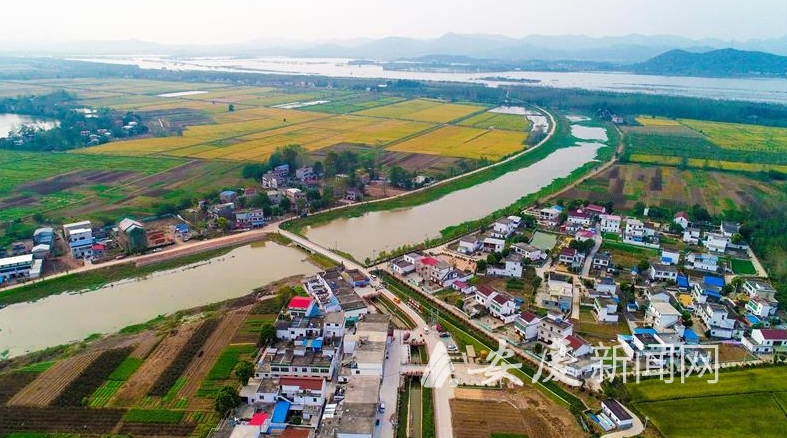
(724, 62)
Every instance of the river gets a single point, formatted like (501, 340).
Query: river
(11, 122)
(66, 318)
(362, 236)
(750, 89)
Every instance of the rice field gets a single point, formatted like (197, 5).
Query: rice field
(709, 164)
(656, 121)
(741, 136)
(424, 110)
(464, 142)
(509, 122)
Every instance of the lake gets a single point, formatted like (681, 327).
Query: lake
(752, 89)
(11, 122)
(66, 318)
(386, 230)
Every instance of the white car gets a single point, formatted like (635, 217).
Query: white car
(426, 330)
(452, 348)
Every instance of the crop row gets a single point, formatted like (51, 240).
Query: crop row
(12, 383)
(184, 357)
(56, 419)
(91, 378)
(153, 429)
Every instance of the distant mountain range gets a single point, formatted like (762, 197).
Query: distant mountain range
(637, 53)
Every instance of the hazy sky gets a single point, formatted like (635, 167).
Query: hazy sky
(228, 21)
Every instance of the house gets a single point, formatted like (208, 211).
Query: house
(595, 209)
(669, 257)
(19, 267)
(657, 293)
(703, 262)
(583, 235)
(528, 251)
(271, 181)
(662, 316)
(304, 173)
(294, 194)
(402, 266)
(601, 260)
(248, 192)
(432, 269)
(503, 307)
(574, 346)
(282, 171)
(617, 413)
(79, 236)
(301, 306)
(44, 236)
(511, 266)
(503, 228)
(571, 257)
(228, 196)
(41, 251)
(661, 272)
(606, 285)
(492, 244)
(609, 223)
(763, 341)
(707, 289)
(131, 236)
(353, 195)
(635, 229)
(274, 196)
(463, 286)
(553, 329)
(357, 278)
(453, 276)
(727, 229)
(550, 216)
(251, 218)
(470, 244)
(580, 217)
(682, 219)
(691, 236)
(718, 320)
(526, 325)
(715, 242)
(759, 288)
(761, 307)
(516, 221)
(605, 309)
(484, 294)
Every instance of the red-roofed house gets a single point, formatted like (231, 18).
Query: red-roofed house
(303, 392)
(297, 432)
(765, 340)
(484, 294)
(682, 219)
(574, 346)
(260, 423)
(571, 257)
(580, 217)
(596, 209)
(526, 325)
(432, 269)
(503, 307)
(300, 306)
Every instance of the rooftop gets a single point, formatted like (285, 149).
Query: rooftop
(773, 334)
(617, 409)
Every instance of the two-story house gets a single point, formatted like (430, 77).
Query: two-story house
(718, 320)
(609, 223)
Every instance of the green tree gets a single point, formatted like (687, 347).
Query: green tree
(643, 266)
(285, 204)
(267, 335)
(231, 108)
(459, 303)
(480, 266)
(243, 371)
(737, 238)
(223, 223)
(226, 400)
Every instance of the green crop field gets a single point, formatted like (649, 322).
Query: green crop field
(160, 416)
(355, 103)
(742, 403)
(490, 120)
(743, 267)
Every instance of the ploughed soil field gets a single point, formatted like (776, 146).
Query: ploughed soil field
(521, 411)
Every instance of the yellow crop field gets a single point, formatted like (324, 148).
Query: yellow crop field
(458, 141)
(510, 122)
(712, 164)
(656, 121)
(229, 94)
(291, 116)
(424, 110)
(280, 98)
(741, 136)
(144, 146)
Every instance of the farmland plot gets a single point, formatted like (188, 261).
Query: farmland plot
(464, 142)
(424, 110)
(51, 383)
(488, 120)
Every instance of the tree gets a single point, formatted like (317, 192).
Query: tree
(399, 177)
(459, 303)
(480, 266)
(231, 108)
(267, 335)
(643, 266)
(285, 204)
(318, 168)
(254, 171)
(243, 371)
(737, 238)
(226, 399)
(223, 223)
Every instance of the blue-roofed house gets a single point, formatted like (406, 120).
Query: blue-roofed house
(228, 196)
(645, 331)
(703, 262)
(709, 289)
(279, 417)
(683, 282)
(713, 281)
(670, 257)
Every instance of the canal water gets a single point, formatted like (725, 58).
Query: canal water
(11, 122)
(66, 318)
(386, 230)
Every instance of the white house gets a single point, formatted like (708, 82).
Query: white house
(21, 266)
(662, 315)
(691, 236)
(703, 262)
(717, 319)
(571, 257)
(716, 242)
(634, 228)
(601, 261)
(553, 329)
(492, 244)
(682, 219)
(759, 288)
(526, 325)
(727, 229)
(503, 228)
(511, 266)
(528, 251)
(609, 223)
(574, 346)
(580, 217)
(515, 221)
(402, 266)
(79, 236)
(605, 310)
(470, 244)
(503, 307)
(617, 413)
(606, 285)
(484, 294)
(761, 307)
(661, 272)
(550, 216)
(764, 341)
(271, 181)
(670, 257)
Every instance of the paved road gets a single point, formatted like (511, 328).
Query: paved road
(597, 241)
